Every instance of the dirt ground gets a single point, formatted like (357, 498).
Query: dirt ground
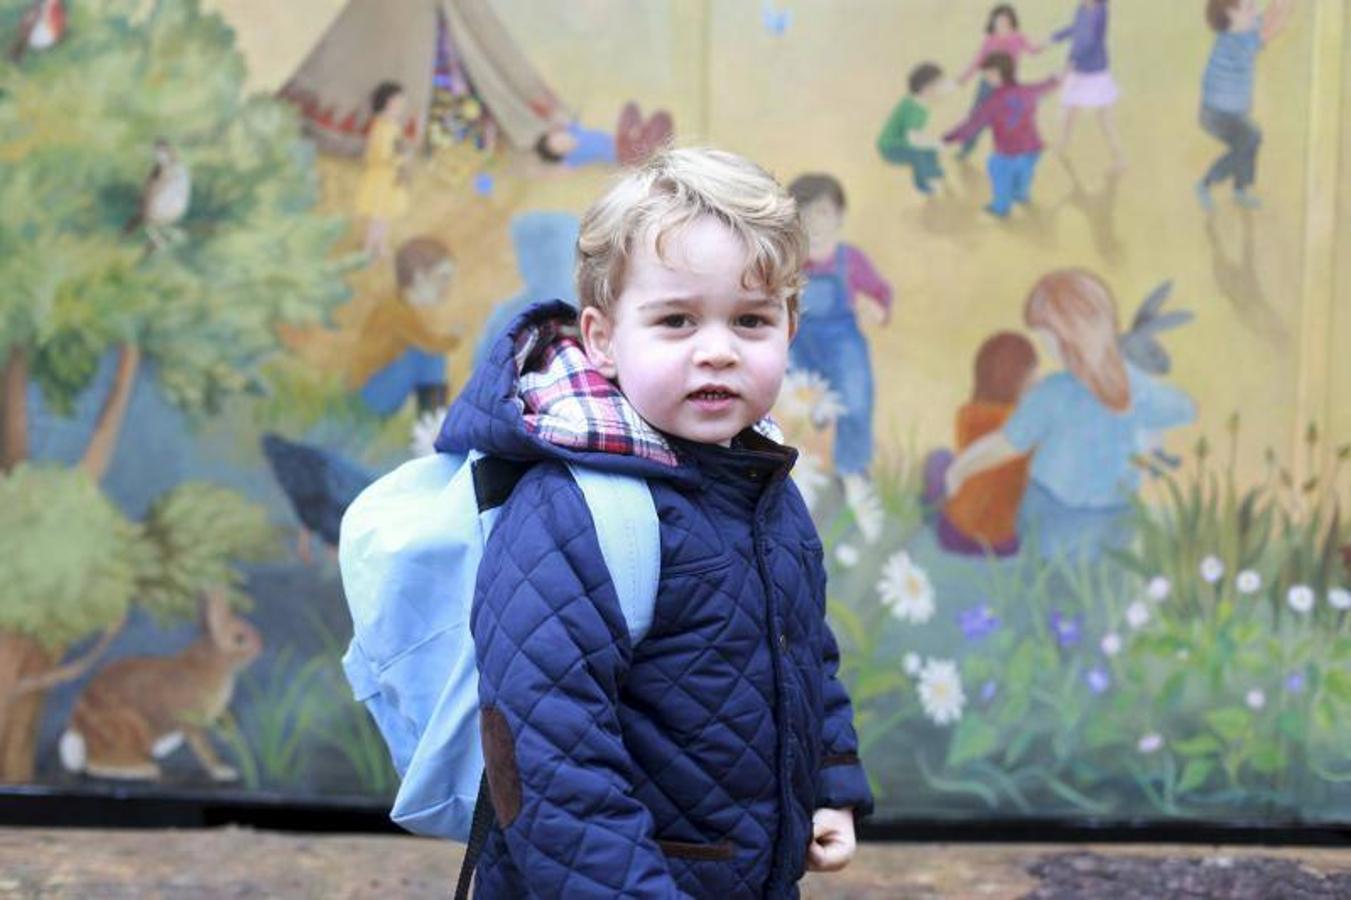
(240, 863)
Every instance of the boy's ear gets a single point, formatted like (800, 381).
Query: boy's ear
(597, 339)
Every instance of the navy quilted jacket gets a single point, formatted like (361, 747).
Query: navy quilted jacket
(689, 765)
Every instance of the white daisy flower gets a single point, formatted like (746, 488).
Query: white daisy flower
(422, 441)
(806, 397)
(866, 506)
(1137, 615)
(940, 691)
(912, 664)
(1248, 582)
(846, 555)
(1111, 643)
(810, 477)
(1151, 743)
(1159, 588)
(906, 590)
(1301, 598)
(1339, 598)
(1212, 569)
(1256, 699)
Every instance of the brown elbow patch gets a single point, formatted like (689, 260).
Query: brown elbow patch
(499, 761)
(685, 850)
(841, 759)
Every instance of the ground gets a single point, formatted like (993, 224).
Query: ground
(237, 863)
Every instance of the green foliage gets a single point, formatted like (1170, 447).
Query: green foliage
(77, 126)
(70, 562)
(198, 532)
(1204, 700)
(270, 740)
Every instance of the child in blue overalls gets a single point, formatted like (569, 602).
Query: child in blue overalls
(829, 341)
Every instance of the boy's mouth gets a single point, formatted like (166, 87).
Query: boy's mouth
(713, 394)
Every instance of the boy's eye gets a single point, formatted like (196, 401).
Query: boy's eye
(675, 320)
(751, 321)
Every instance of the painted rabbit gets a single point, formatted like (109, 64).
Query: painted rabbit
(140, 709)
(1141, 347)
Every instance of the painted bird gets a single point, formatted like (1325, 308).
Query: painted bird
(42, 27)
(165, 196)
(319, 483)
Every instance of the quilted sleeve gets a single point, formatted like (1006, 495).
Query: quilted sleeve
(552, 652)
(843, 782)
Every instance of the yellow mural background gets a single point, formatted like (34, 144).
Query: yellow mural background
(1271, 290)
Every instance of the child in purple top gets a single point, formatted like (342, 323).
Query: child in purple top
(829, 341)
(1089, 83)
(1011, 114)
(1001, 36)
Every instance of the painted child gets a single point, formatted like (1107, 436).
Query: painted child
(982, 517)
(716, 758)
(400, 351)
(1010, 112)
(829, 341)
(905, 140)
(1002, 35)
(1084, 425)
(1241, 31)
(382, 195)
(1089, 84)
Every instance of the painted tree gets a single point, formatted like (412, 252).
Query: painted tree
(78, 126)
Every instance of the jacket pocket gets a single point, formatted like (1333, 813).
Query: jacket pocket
(686, 850)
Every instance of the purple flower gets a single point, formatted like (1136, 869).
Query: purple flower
(977, 622)
(1068, 631)
(987, 691)
(1098, 680)
(1294, 682)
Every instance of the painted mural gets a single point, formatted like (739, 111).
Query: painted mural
(1065, 385)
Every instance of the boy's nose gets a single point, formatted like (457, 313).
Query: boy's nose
(715, 351)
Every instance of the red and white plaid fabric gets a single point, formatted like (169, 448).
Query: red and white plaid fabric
(568, 403)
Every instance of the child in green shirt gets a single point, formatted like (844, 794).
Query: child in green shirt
(903, 140)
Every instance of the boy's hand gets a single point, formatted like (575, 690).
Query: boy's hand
(832, 844)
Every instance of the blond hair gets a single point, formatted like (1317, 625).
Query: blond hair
(671, 190)
(1075, 306)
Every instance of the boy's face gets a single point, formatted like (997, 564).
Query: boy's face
(429, 286)
(1243, 15)
(823, 220)
(697, 354)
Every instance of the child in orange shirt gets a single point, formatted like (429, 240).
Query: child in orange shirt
(400, 350)
(982, 517)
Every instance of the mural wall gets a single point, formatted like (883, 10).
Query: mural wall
(247, 257)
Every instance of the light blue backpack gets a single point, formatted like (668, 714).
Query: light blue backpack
(409, 552)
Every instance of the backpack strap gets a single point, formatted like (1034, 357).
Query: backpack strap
(478, 833)
(630, 540)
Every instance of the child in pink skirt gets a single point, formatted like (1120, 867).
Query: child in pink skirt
(1089, 83)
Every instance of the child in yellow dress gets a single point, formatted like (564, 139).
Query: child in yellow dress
(383, 193)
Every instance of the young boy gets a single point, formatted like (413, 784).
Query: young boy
(399, 350)
(829, 341)
(716, 758)
(1011, 113)
(1242, 30)
(903, 140)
